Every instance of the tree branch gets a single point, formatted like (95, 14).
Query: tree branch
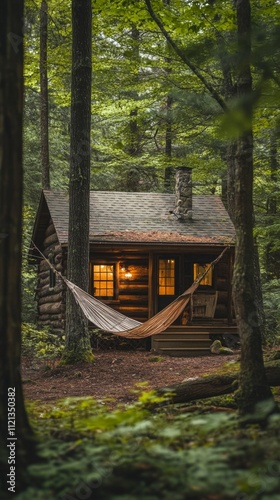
(184, 58)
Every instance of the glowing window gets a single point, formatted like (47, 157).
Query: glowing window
(166, 277)
(199, 269)
(103, 280)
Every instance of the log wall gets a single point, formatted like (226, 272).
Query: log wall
(133, 292)
(51, 300)
(131, 297)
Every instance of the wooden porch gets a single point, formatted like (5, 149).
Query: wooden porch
(191, 340)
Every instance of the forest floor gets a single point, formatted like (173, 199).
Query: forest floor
(114, 375)
(190, 451)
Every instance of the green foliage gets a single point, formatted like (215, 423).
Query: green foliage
(271, 295)
(156, 359)
(134, 453)
(41, 344)
(29, 277)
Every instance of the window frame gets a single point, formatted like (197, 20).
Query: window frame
(206, 286)
(173, 278)
(104, 298)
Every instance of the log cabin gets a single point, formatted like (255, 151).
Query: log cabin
(145, 249)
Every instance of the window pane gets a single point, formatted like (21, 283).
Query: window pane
(199, 269)
(166, 277)
(103, 280)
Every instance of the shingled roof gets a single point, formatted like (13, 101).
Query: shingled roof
(141, 217)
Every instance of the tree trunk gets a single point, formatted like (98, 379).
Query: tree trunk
(134, 147)
(169, 171)
(230, 160)
(44, 96)
(253, 387)
(213, 385)
(77, 346)
(11, 199)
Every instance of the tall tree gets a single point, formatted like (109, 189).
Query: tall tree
(77, 346)
(19, 437)
(134, 147)
(253, 384)
(45, 161)
(169, 171)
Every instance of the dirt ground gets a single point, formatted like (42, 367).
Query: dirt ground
(112, 375)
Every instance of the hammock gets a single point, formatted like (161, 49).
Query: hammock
(111, 321)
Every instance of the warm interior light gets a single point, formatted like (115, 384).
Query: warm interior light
(124, 268)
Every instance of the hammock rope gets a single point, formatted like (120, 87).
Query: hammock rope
(111, 321)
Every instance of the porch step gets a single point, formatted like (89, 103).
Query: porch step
(184, 353)
(182, 342)
(222, 329)
(190, 340)
(181, 336)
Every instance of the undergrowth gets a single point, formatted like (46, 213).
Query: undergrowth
(88, 451)
(41, 344)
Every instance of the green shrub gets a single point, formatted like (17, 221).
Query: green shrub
(90, 451)
(271, 299)
(41, 344)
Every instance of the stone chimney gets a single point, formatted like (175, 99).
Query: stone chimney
(183, 193)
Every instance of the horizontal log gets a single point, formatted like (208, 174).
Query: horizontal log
(50, 240)
(131, 288)
(51, 317)
(44, 266)
(44, 274)
(42, 283)
(133, 282)
(51, 308)
(214, 385)
(134, 299)
(130, 309)
(56, 249)
(51, 298)
(50, 229)
(45, 290)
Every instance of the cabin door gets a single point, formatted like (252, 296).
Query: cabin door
(167, 276)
